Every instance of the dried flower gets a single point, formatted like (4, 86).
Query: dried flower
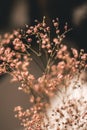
(61, 67)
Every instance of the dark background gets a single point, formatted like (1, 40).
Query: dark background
(63, 9)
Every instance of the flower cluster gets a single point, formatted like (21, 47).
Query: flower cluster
(72, 114)
(61, 65)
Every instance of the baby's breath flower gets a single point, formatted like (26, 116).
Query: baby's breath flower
(60, 68)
